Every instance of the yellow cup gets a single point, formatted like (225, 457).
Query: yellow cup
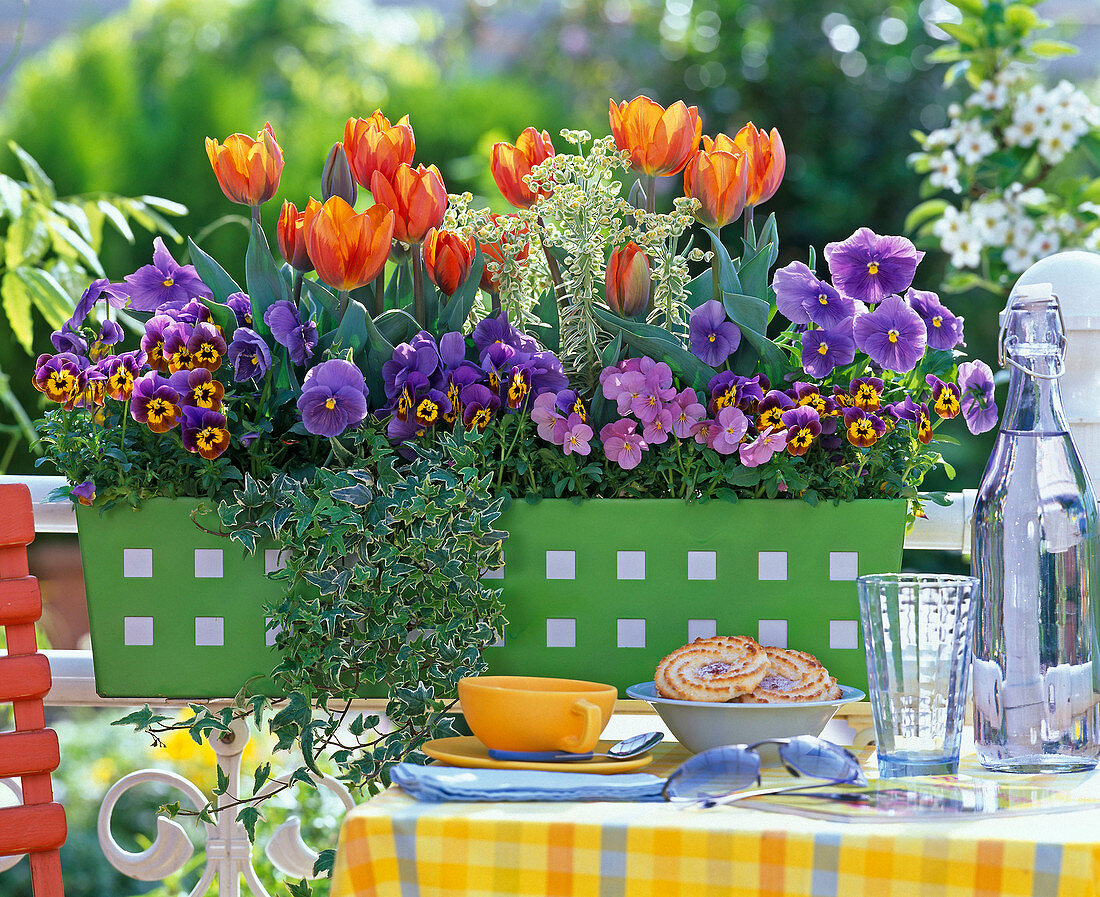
(532, 713)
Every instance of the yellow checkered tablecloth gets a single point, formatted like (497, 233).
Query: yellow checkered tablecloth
(394, 845)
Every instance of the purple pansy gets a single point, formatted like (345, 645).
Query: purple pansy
(84, 493)
(241, 306)
(452, 349)
(152, 343)
(978, 408)
(288, 330)
(155, 404)
(206, 345)
(430, 407)
(825, 350)
(249, 355)
(479, 404)
(771, 409)
(686, 413)
(945, 330)
(115, 293)
(760, 450)
(893, 335)
(803, 427)
(120, 372)
(165, 280)
(416, 360)
(60, 377)
(191, 311)
(863, 428)
(577, 434)
(622, 445)
(802, 297)
(730, 426)
(70, 341)
(334, 397)
(869, 267)
(713, 338)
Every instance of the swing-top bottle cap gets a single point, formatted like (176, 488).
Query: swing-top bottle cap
(1031, 291)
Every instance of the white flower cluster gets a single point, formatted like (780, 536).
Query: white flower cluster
(1013, 223)
(1020, 224)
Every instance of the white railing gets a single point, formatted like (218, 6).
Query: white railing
(229, 853)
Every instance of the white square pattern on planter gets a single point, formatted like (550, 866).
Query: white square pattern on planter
(137, 563)
(702, 629)
(630, 565)
(209, 631)
(844, 565)
(561, 633)
(771, 565)
(561, 565)
(772, 633)
(702, 565)
(137, 630)
(631, 633)
(208, 563)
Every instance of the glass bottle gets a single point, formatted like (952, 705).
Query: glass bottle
(1036, 548)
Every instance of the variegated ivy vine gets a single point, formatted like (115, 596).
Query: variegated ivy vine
(383, 599)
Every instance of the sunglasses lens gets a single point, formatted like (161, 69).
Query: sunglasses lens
(821, 759)
(715, 772)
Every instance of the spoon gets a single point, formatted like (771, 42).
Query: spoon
(623, 750)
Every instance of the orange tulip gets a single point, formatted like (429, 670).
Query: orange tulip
(348, 250)
(373, 144)
(416, 196)
(659, 141)
(511, 165)
(627, 280)
(767, 161)
(290, 234)
(248, 170)
(718, 178)
(447, 258)
(496, 253)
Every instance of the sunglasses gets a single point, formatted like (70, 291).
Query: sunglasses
(720, 775)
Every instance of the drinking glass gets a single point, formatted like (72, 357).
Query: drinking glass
(917, 630)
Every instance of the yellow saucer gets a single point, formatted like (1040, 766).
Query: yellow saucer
(466, 750)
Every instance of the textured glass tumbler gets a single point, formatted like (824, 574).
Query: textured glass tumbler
(917, 631)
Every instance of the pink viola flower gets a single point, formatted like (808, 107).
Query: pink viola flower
(658, 389)
(577, 434)
(702, 431)
(686, 413)
(730, 426)
(544, 412)
(761, 449)
(631, 386)
(622, 445)
(659, 426)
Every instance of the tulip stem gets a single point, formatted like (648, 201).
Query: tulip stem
(749, 232)
(715, 275)
(496, 303)
(651, 193)
(256, 215)
(341, 304)
(299, 276)
(380, 292)
(420, 311)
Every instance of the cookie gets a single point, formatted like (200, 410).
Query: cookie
(721, 668)
(793, 676)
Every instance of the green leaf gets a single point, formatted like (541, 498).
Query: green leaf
(659, 344)
(165, 205)
(49, 297)
(118, 220)
(41, 186)
(397, 325)
(248, 817)
(925, 211)
(11, 197)
(28, 239)
(17, 309)
(966, 35)
(352, 332)
(950, 53)
(969, 7)
(727, 276)
(454, 314)
(323, 296)
(753, 273)
(214, 275)
(67, 242)
(259, 779)
(751, 314)
(1049, 49)
(261, 276)
(547, 311)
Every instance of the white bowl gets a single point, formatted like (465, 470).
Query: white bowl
(699, 725)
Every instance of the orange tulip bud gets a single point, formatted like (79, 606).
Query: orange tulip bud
(495, 252)
(416, 196)
(248, 170)
(373, 144)
(447, 259)
(718, 178)
(627, 280)
(767, 161)
(659, 141)
(511, 165)
(291, 236)
(347, 249)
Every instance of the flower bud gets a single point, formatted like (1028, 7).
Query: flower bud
(447, 259)
(292, 242)
(627, 281)
(336, 179)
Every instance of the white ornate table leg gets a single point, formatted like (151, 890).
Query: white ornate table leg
(13, 786)
(286, 849)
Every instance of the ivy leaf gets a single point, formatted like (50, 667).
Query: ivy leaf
(248, 817)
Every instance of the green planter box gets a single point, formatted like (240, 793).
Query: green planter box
(597, 590)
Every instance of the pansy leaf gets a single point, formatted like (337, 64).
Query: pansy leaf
(262, 277)
(727, 274)
(659, 344)
(455, 312)
(212, 274)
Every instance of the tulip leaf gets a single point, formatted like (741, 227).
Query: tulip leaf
(659, 344)
(397, 326)
(399, 289)
(262, 278)
(454, 314)
(770, 234)
(547, 311)
(750, 314)
(322, 296)
(379, 351)
(753, 272)
(352, 331)
(727, 274)
(213, 275)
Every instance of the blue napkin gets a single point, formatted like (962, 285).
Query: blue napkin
(443, 783)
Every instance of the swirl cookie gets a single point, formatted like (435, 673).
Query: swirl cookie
(721, 668)
(793, 676)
